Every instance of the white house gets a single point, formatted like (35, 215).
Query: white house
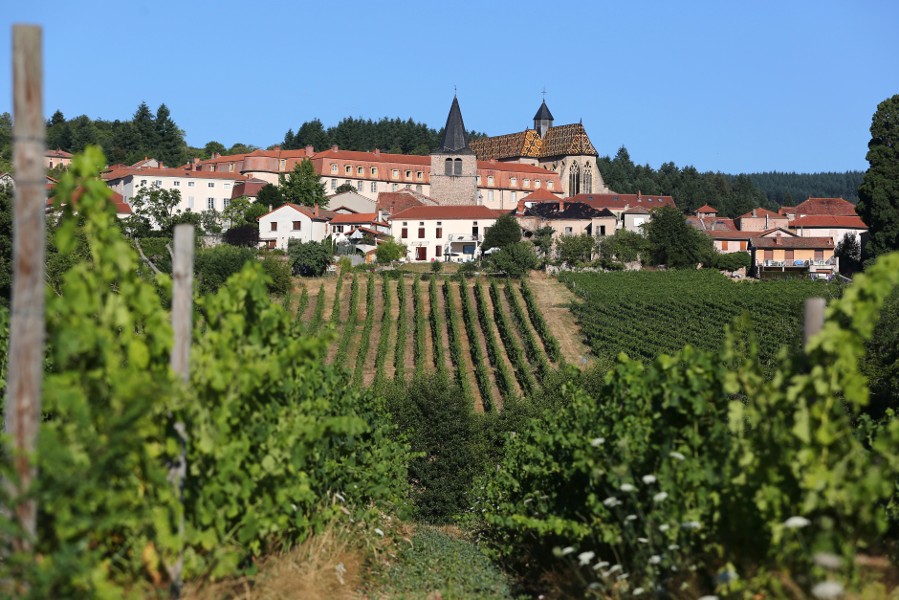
(200, 190)
(293, 222)
(442, 232)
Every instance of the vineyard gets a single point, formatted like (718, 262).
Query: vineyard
(488, 336)
(646, 314)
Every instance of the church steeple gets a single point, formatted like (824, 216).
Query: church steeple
(543, 120)
(455, 139)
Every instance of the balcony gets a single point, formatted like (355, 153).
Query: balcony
(457, 238)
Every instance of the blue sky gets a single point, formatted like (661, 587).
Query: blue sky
(724, 86)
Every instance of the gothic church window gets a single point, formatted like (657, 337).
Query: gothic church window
(574, 180)
(587, 185)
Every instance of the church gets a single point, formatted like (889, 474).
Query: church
(495, 172)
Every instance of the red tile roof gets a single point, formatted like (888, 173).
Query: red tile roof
(349, 219)
(712, 223)
(173, 172)
(540, 195)
(761, 213)
(57, 154)
(409, 159)
(725, 234)
(705, 208)
(471, 211)
(832, 221)
(392, 202)
(323, 215)
(792, 242)
(250, 187)
(825, 206)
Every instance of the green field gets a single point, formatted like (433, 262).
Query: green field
(648, 313)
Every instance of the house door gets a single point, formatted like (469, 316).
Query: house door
(421, 253)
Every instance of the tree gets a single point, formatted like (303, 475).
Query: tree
(6, 245)
(673, 242)
(849, 251)
(878, 204)
(514, 260)
(389, 251)
(573, 249)
(270, 196)
(157, 205)
(625, 246)
(543, 240)
(309, 259)
(345, 187)
(504, 231)
(303, 186)
(246, 235)
(214, 147)
(241, 211)
(239, 148)
(170, 147)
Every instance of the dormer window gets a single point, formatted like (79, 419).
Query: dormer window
(527, 183)
(490, 180)
(513, 182)
(360, 171)
(348, 169)
(333, 168)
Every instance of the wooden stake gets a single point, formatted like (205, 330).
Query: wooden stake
(26, 343)
(814, 318)
(182, 311)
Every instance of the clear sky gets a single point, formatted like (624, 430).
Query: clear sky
(784, 85)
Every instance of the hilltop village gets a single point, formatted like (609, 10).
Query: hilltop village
(440, 206)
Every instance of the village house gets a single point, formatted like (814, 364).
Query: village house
(199, 191)
(761, 219)
(293, 222)
(565, 218)
(442, 232)
(778, 253)
(57, 158)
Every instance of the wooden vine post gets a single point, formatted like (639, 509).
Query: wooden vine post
(814, 318)
(26, 341)
(182, 311)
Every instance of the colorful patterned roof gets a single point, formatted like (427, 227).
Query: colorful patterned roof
(564, 140)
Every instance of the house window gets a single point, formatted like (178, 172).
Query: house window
(394, 187)
(227, 185)
(176, 183)
(333, 168)
(408, 174)
(419, 175)
(819, 254)
(231, 167)
(338, 228)
(602, 230)
(157, 183)
(374, 186)
(297, 225)
(274, 226)
(514, 196)
(490, 180)
(360, 171)
(225, 203)
(769, 254)
(457, 166)
(421, 233)
(282, 164)
(190, 202)
(788, 255)
(333, 185)
(568, 231)
(348, 170)
(404, 232)
(346, 182)
(190, 183)
(742, 245)
(395, 173)
(211, 184)
(527, 183)
(513, 182)
(478, 179)
(438, 251)
(549, 184)
(537, 184)
(724, 245)
(210, 203)
(474, 228)
(374, 171)
(359, 186)
(439, 230)
(489, 195)
(143, 182)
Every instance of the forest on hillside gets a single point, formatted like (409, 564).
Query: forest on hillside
(157, 135)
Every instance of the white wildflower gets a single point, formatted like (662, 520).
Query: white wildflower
(673, 547)
(827, 590)
(796, 523)
(691, 525)
(643, 540)
(677, 455)
(596, 442)
(660, 497)
(567, 550)
(655, 559)
(664, 527)
(626, 487)
(828, 560)
(622, 577)
(611, 501)
(631, 517)
(638, 592)
(339, 496)
(614, 569)
(379, 532)
(601, 565)
(593, 586)
(648, 479)
(584, 558)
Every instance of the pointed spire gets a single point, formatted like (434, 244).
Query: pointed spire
(543, 113)
(455, 139)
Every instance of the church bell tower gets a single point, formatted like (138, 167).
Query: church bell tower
(454, 167)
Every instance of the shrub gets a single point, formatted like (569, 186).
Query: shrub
(731, 261)
(309, 259)
(278, 271)
(514, 260)
(436, 266)
(213, 266)
(243, 235)
(389, 251)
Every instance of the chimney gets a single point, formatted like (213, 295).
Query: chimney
(754, 213)
(276, 148)
(377, 152)
(521, 206)
(561, 204)
(315, 210)
(777, 239)
(335, 148)
(216, 155)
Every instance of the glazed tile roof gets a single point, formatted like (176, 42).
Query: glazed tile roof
(564, 140)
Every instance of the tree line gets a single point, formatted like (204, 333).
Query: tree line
(732, 195)
(395, 136)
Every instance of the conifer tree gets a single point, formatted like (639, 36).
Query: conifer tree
(878, 204)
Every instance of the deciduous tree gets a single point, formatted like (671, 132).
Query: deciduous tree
(303, 186)
(504, 231)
